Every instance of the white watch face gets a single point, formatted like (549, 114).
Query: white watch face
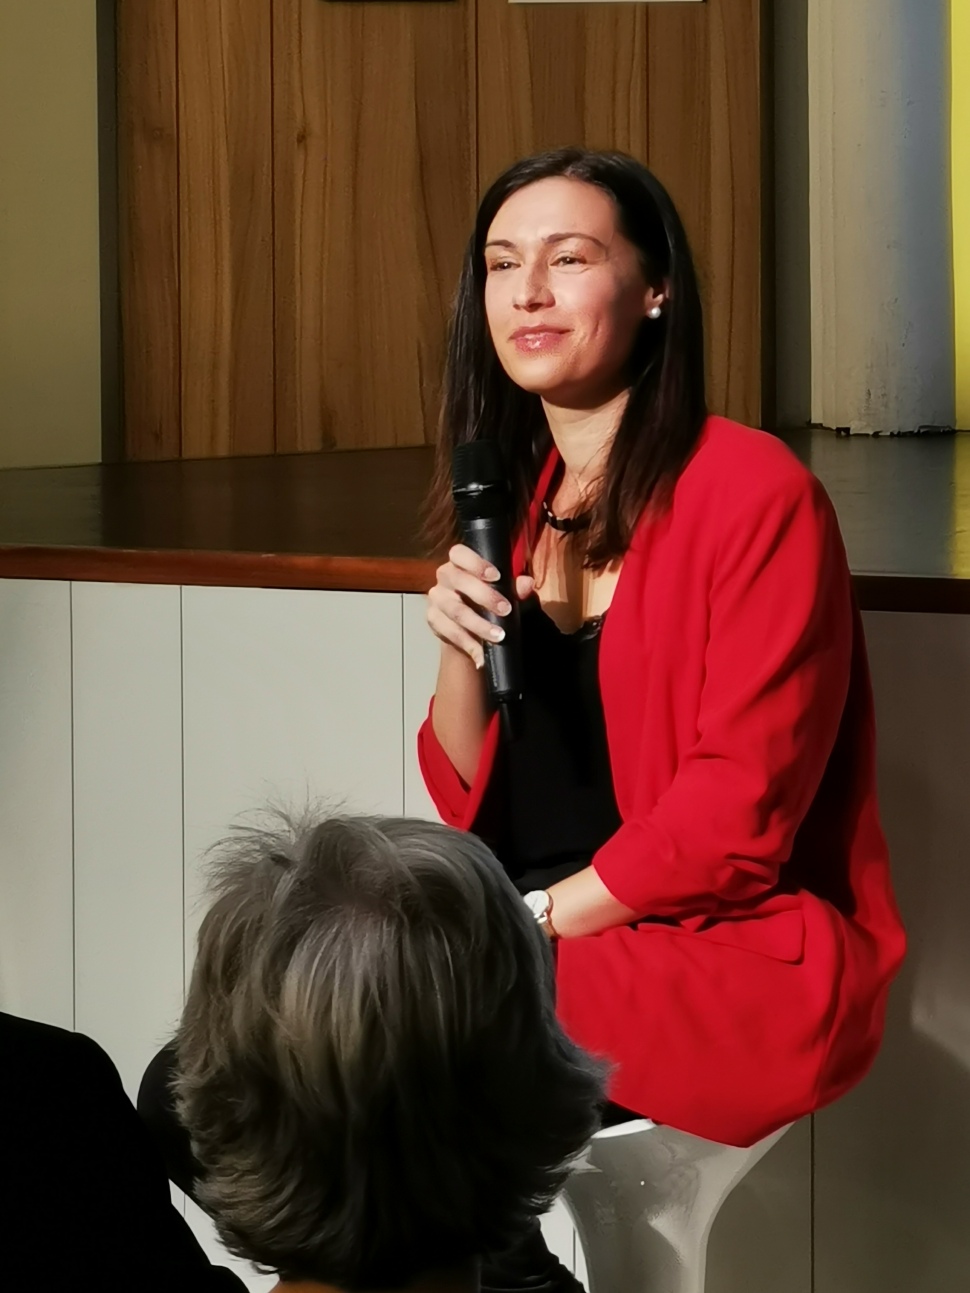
(538, 902)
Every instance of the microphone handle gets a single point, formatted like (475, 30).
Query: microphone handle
(490, 538)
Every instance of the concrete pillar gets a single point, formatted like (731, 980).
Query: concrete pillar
(881, 251)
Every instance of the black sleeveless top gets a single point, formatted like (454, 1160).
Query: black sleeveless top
(562, 805)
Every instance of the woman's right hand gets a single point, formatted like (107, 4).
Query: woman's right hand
(464, 587)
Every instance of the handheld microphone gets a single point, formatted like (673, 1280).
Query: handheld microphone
(480, 489)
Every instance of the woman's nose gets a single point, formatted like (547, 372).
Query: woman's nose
(532, 291)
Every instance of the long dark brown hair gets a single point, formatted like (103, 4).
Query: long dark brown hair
(666, 408)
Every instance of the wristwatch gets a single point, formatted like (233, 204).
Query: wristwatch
(539, 903)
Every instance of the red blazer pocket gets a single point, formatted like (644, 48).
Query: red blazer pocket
(778, 934)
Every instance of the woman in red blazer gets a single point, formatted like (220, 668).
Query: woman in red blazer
(725, 929)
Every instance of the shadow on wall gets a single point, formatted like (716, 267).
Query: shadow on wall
(893, 1158)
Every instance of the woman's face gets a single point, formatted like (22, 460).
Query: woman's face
(564, 294)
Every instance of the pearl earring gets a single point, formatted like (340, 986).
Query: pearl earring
(654, 312)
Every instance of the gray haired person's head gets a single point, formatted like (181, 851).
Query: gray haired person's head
(369, 1063)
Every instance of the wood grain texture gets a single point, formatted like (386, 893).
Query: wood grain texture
(705, 126)
(375, 194)
(148, 230)
(679, 120)
(555, 75)
(915, 594)
(364, 503)
(734, 312)
(298, 519)
(218, 569)
(289, 265)
(226, 208)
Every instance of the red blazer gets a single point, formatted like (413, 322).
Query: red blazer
(740, 726)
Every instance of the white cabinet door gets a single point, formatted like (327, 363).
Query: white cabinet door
(128, 818)
(421, 650)
(289, 696)
(892, 1189)
(36, 906)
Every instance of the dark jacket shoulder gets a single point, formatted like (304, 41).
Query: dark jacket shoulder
(86, 1198)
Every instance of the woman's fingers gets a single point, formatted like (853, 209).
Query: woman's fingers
(449, 604)
(475, 590)
(464, 589)
(447, 628)
(466, 559)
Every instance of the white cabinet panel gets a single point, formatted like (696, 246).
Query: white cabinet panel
(36, 905)
(128, 818)
(892, 1184)
(288, 696)
(421, 650)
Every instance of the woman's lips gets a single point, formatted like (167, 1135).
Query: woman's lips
(530, 341)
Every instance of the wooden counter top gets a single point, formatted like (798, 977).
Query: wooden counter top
(345, 520)
(349, 520)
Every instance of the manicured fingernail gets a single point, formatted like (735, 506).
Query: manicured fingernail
(496, 634)
(478, 661)
(504, 608)
(492, 574)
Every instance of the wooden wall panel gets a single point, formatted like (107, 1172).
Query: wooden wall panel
(226, 207)
(705, 128)
(550, 75)
(299, 178)
(678, 120)
(375, 193)
(148, 227)
(735, 296)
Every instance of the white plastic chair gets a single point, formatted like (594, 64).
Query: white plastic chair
(643, 1200)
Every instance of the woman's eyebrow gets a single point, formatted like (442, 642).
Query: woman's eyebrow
(548, 240)
(575, 233)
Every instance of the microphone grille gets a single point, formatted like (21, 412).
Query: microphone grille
(478, 463)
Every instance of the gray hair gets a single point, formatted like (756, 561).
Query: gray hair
(369, 1063)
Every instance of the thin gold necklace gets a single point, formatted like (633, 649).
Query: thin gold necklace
(567, 524)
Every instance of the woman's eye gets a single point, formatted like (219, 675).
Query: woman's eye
(566, 259)
(500, 264)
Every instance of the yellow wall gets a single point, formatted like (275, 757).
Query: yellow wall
(50, 342)
(960, 17)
